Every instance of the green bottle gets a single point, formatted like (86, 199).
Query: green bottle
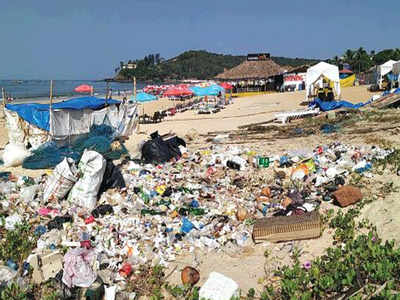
(197, 211)
(145, 197)
(151, 212)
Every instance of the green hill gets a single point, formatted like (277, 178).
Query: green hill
(191, 64)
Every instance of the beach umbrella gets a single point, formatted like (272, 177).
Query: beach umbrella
(226, 85)
(177, 92)
(143, 97)
(84, 88)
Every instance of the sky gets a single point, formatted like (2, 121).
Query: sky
(87, 39)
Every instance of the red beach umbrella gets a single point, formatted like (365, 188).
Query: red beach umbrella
(177, 92)
(226, 85)
(84, 88)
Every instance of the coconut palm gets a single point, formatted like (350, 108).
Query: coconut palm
(348, 56)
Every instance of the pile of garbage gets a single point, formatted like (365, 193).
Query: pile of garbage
(112, 218)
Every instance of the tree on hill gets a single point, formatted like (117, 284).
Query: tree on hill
(193, 64)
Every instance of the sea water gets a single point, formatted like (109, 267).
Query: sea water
(27, 90)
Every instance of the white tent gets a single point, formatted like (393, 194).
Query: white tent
(384, 69)
(396, 68)
(317, 72)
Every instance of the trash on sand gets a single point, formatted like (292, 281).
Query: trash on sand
(287, 228)
(45, 266)
(61, 180)
(347, 195)
(190, 276)
(219, 287)
(78, 268)
(84, 193)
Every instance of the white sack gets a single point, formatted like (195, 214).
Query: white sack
(91, 168)
(14, 155)
(62, 180)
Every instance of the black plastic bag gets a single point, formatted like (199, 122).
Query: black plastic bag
(112, 178)
(157, 150)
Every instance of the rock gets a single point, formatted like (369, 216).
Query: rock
(347, 195)
(190, 276)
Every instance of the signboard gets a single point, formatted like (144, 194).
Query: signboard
(258, 56)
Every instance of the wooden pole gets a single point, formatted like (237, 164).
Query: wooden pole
(51, 106)
(134, 87)
(3, 93)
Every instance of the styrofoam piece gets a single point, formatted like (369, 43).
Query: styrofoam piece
(219, 287)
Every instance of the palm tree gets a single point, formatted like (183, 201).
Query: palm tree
(361, 58)
(348, 56)
(337, 60)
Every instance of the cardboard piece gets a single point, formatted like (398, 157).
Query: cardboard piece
(46, 266)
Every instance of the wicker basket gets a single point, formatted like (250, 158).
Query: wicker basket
(287, 228)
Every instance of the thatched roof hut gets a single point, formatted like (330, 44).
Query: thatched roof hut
(261, 69)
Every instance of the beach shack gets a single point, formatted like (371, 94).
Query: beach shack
(257, 74)
(319, 79)
(33, 124)
(294, 80)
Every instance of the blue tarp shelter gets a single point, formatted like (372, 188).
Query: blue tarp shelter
(39, 114)
(332, 105)
(143, 97)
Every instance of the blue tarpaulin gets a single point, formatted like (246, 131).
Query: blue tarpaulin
(144, 97)
(38, 114)
(331, 105)
(212, 90)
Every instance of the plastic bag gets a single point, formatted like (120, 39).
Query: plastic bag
(77, 268)
(12, 221)
(84, 192)
(6, 274)
(27, 194)
(159, 151)
(14, 155)
(62, 180)
(112, 178)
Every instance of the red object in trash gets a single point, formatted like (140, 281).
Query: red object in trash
(126, 270)
(89, 220)
(84, 88)
(86, 244)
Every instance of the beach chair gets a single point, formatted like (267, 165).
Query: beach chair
(291, 115)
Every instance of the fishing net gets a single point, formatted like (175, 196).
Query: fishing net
(99, 139)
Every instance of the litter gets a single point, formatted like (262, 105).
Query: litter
(219, 287)
(138, 213)
(77, 268)
(61, 181)
(84, 192)
(287, 228)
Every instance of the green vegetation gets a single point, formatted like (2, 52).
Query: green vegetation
(189, 65)
(360, 60)
(17, 244)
